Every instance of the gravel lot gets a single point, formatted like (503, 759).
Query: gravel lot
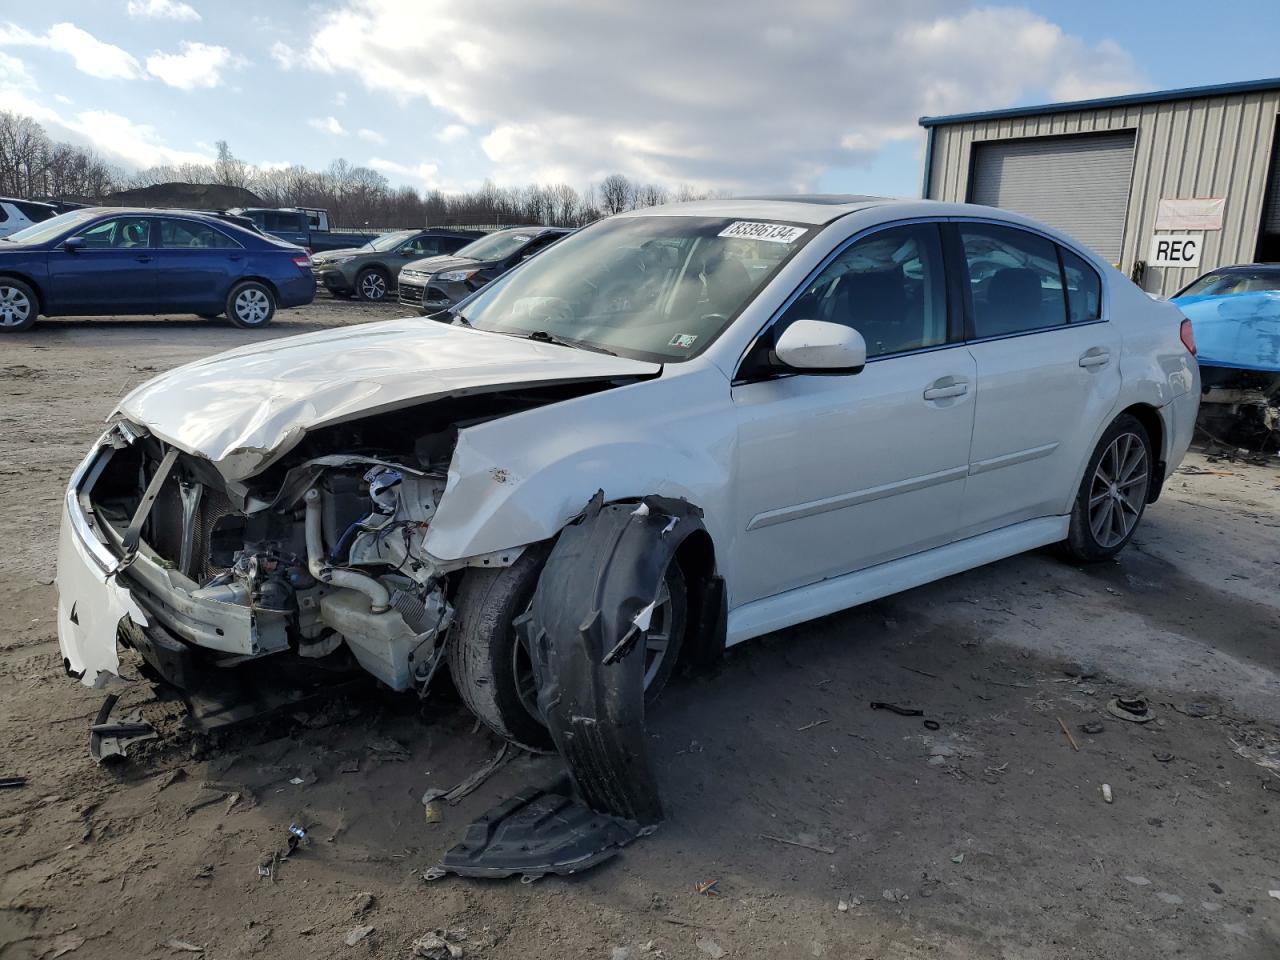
(986, 838)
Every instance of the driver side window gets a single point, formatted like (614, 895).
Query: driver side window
(122, 232)
(889, 286)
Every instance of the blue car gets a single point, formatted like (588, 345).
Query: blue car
(122, 261)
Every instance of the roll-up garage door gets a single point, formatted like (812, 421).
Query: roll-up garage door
(1079, 184)
(1271, 215)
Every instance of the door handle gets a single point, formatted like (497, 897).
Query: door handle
(143, 258)
(235, 256)
(1095, 357)
(946, 387)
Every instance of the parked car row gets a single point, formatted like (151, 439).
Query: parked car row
(119, 261)
(436, 283)
(370, 270)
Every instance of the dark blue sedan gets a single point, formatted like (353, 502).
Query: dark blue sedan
(121, 261)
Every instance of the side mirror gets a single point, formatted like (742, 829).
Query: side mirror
(818, 346)
(72, 244)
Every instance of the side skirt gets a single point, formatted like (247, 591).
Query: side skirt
(839, 593)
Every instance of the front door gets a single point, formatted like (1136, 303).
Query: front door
(113, 272)
(1048, 367)
(838, 473)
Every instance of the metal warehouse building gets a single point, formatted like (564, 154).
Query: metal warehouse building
(1166, 185)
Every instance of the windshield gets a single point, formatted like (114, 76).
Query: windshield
(496, 246)
(389, 241)
(1220, 284)
(658, 288)
(54, 226)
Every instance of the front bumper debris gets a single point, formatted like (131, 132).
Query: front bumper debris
(585, 630)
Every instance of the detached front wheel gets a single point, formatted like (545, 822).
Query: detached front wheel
(1113, 494)
(251, 304)
(492, 668)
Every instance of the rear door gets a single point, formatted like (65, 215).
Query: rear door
(195, 266)
(1048, 370)
(114, 272)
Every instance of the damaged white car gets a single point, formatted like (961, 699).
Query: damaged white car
(785, 407)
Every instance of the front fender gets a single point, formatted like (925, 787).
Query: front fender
(520, 479)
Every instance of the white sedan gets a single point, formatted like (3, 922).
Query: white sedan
(778, 408)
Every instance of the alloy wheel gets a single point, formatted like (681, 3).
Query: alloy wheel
(252, 306)
(373, 286)
(15, 307)
(1118, 490)
(657, 642)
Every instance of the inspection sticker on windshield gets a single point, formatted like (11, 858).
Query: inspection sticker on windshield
(772, 232)
(683, 340)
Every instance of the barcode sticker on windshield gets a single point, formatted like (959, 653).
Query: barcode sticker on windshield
(771, 232)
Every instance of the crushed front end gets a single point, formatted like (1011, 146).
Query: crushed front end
(320, 558)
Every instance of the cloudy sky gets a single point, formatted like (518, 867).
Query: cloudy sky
(745, 96)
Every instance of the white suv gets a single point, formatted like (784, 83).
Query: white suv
(17, 215)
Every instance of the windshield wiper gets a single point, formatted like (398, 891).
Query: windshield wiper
(542, 336)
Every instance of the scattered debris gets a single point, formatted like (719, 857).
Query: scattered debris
(469, 785)
(1199, 709)
(1163, 756)
(433, 812)
(362, 903)
(1274, 894)
(711, 947)
(1070, 739)
(173, 943)
(297, 835)
(958, 858)
(801, 841)
(1214, 887)
(843, 906)
(932, 725)
(63, 944)
(1106, 792)
(1092, 727)
(896, 708)
(12, 783)
(1138, 881)
(356, 935)
(894, 895)
(384, 748)
(297, 781)
(1080, 670)
(1133, 709)
(810, 726)
(108, 740)
(439, 945)
(706, 888)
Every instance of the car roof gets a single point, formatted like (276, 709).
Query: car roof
(1247, 268)
(797, 208)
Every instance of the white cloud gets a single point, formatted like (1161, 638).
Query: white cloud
(162, 10)
(328, 125)
(452, 133)
(117, 138)
(373, 136)
(198, 65)
(14, 73)
(720, 102)
(428, 174)
(91, 55)
(285, 56)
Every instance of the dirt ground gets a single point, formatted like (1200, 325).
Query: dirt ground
(988, 837)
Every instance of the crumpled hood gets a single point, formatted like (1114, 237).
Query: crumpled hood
(246, 408)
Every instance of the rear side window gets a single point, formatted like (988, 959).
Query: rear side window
(450, 244)
(1084, 288)
(889, 286)
(279, 221)
(422, 246)
(187, 234)
(1015, 283)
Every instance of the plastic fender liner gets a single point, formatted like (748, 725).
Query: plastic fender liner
(591, 607)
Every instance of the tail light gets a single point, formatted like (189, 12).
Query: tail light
(304, 263)
(1188, 337)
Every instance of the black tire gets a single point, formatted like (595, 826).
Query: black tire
(373, 285)
(485, 657)
(1113, 492)
(251, 305)
(19, 306)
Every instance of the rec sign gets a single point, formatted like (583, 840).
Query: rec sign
(1175, 250)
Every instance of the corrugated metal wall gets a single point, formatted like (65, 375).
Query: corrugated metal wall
(1205, 147)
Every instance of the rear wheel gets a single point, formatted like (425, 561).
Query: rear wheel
(17, 306)
(492, 667)
(251, 304)
(372, 285)
(1113, 493)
